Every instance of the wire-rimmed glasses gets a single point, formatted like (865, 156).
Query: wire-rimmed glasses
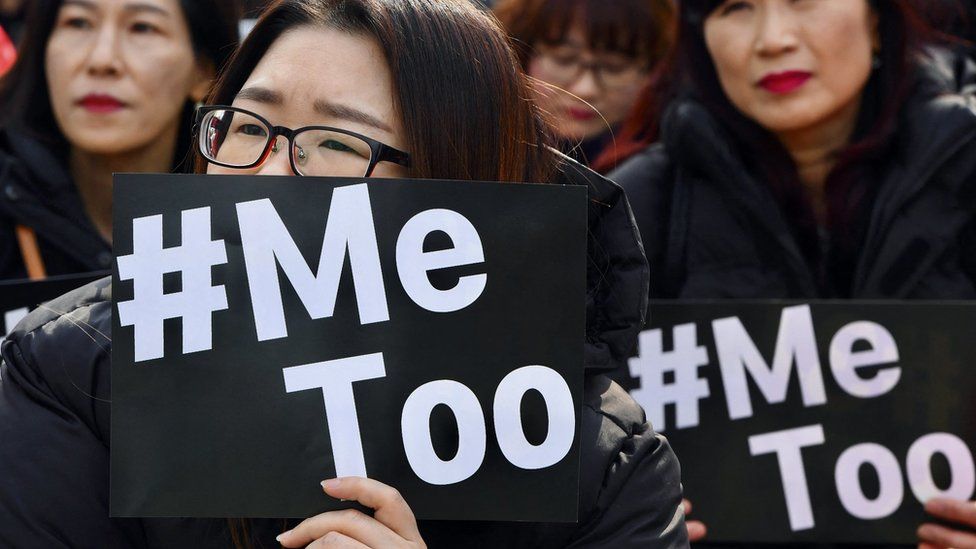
(563, 66)
(237, 138)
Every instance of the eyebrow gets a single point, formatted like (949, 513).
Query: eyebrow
(134, 7)
(325, 108)
(261, 95)
(344, 112)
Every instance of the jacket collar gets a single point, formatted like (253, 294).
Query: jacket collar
(939, 121)
(617, 274)
(703, 152)
(38, 192)
(46, 173)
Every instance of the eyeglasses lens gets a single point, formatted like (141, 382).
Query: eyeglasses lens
(321, 152)
(233, 138)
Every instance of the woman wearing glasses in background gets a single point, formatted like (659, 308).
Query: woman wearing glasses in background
(376, 88)
(101, 86)
(590, 59)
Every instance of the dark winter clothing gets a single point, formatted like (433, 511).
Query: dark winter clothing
(712, 229)
(36, 191)
(587, 151)
(54, 424)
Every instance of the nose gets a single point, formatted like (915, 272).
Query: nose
(777, 30)
(104, 58)
(585, 85)
(277, 163)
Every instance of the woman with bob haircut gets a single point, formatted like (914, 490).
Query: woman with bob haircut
(811, 149)
(590, 60)
(100, 86)
(433, 89)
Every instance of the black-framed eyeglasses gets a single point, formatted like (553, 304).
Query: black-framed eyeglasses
(237, 138)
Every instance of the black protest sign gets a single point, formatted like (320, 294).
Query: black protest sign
(19, 297)
(272, 332)
(824, 422)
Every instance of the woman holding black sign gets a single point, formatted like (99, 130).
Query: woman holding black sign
(100, 86)
(813, 149)
(419, 88)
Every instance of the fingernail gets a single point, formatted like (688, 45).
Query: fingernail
(331, 484)
(281, 535)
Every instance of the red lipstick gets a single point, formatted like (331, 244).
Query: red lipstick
(581, 115)
(785, 82)
(100, 103)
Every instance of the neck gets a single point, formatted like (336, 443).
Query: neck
(92, 174)
(814, 151)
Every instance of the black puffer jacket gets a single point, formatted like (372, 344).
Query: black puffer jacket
(713, 230)
(36, 191)
(54, 426)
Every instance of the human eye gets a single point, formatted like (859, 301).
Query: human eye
(144, 27)
(733, 6)
(564, 59)
(75, 19)
(253, 130)
(616, 66)
(338, 146)
(560, 54)
(804, 3)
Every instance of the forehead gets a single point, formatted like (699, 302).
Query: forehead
(318, 63)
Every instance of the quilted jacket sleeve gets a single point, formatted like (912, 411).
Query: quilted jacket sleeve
(54, 475)
(636, 499)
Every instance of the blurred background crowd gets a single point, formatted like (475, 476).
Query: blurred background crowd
(769, 148)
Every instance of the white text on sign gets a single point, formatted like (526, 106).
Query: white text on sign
(268, 245)
(863, 361)
(349, 233)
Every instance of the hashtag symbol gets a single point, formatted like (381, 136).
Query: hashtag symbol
(686, 388)
(194, 303)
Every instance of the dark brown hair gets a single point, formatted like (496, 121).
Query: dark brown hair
(688, 70)
(638, 29)
(690, 73)
(461, 96)
(25, 101)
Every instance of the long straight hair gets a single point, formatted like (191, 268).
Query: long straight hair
(462, 98)
(25, 100)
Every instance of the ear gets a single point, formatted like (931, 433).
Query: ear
(203, 77)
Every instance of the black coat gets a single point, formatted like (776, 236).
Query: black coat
(36, 191)
(55, 414)
(711, 229)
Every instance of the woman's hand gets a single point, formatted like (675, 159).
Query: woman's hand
(392, 525)
(696, 528)
(933, 536)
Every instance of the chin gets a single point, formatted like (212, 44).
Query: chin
(105, 145)
(108, 139)
(788, 121)
(575, 132)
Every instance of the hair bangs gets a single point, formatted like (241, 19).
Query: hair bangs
(639, 29)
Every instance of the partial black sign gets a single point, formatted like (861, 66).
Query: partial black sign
(19, 297)
(820, 422)
(272, 332)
